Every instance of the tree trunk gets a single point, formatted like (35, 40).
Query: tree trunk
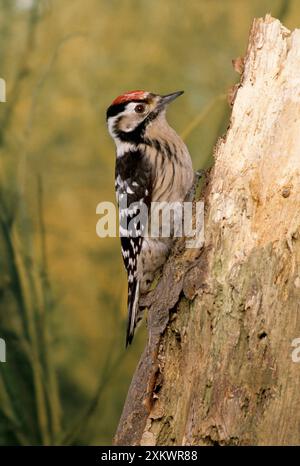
(218, 366)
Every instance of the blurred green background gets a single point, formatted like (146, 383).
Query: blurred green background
(63, 289)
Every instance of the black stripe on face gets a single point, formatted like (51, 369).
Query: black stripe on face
(135, 136)
(114, 110)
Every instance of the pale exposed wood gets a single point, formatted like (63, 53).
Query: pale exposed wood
(218, 368)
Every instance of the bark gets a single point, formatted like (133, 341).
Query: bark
(218, 368)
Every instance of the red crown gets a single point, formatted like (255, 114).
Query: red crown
(132, 95)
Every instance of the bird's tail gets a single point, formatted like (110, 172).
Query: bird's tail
(133, 309)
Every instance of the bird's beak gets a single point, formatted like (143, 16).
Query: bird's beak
(166, 99)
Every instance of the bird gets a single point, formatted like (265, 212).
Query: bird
(153, 167)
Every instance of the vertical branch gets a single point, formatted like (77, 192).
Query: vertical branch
(51, 386)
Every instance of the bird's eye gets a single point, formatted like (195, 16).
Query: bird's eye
(140, 108)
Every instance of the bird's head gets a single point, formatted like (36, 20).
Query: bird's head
(129, 114)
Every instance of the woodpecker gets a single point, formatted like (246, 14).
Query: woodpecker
(153, 165)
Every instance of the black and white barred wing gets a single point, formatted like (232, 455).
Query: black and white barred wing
(133, 198)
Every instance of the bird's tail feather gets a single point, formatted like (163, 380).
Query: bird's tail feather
(133, 308)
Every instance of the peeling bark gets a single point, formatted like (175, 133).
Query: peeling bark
(218, 368)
